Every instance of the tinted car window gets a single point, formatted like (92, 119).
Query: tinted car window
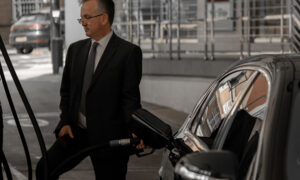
(244, 131)
(220, 103)
(255, 101)
(231, 118)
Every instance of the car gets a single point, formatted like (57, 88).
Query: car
(33, 31)
(245, 126)
(29, 32)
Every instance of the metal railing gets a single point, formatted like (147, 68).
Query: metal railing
(24, 7)
(202, 28)
(209, 28)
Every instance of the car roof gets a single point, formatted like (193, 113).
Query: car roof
(269, 58)
(32, 14)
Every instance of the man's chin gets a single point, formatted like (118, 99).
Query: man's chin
(87, 34)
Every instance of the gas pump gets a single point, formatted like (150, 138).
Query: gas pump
(14, 112)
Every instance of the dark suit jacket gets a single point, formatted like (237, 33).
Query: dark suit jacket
(113, 94)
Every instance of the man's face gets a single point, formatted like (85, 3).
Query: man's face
(92, 25)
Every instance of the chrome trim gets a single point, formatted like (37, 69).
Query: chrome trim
(202, 146)
(200, 174)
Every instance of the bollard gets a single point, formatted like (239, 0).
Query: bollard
(57, 53)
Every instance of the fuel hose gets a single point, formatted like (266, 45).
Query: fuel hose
(28, 109)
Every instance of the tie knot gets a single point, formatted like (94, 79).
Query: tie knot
(95, 44)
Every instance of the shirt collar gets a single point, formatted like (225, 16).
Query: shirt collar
(104, 41)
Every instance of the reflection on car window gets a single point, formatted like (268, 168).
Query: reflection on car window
(244, 132)
(220, 103)
(255, 101)
(232, 116)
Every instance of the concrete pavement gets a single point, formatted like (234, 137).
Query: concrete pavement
(42, 90)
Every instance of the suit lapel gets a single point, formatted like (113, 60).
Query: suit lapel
(107, 54)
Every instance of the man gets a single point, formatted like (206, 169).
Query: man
(97, 96)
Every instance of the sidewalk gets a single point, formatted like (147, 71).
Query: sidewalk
(42, 90)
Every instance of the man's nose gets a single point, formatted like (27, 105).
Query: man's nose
(83, 23)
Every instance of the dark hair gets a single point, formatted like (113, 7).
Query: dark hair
(108, 7)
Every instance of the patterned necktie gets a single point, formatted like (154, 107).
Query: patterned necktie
(88, 75)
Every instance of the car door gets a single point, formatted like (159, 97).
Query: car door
(240, 93)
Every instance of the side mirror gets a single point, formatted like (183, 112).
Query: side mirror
(151, 129)
(207, 165)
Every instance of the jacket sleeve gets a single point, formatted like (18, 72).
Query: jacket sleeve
(65, 93)
(131, 99)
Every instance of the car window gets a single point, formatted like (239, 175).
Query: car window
(220, 103)
(232, 115)
(250, 113)
(255, 101)
(32, 18)
(244, 131)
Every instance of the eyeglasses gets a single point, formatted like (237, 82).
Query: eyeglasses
(88, 18)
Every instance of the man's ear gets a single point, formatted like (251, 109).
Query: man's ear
(105, 19)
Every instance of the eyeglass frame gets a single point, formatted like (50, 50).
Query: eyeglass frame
(80, 20)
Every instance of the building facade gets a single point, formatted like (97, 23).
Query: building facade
(5, 18)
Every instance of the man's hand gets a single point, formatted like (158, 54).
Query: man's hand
(66, 130)
(141, 145)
